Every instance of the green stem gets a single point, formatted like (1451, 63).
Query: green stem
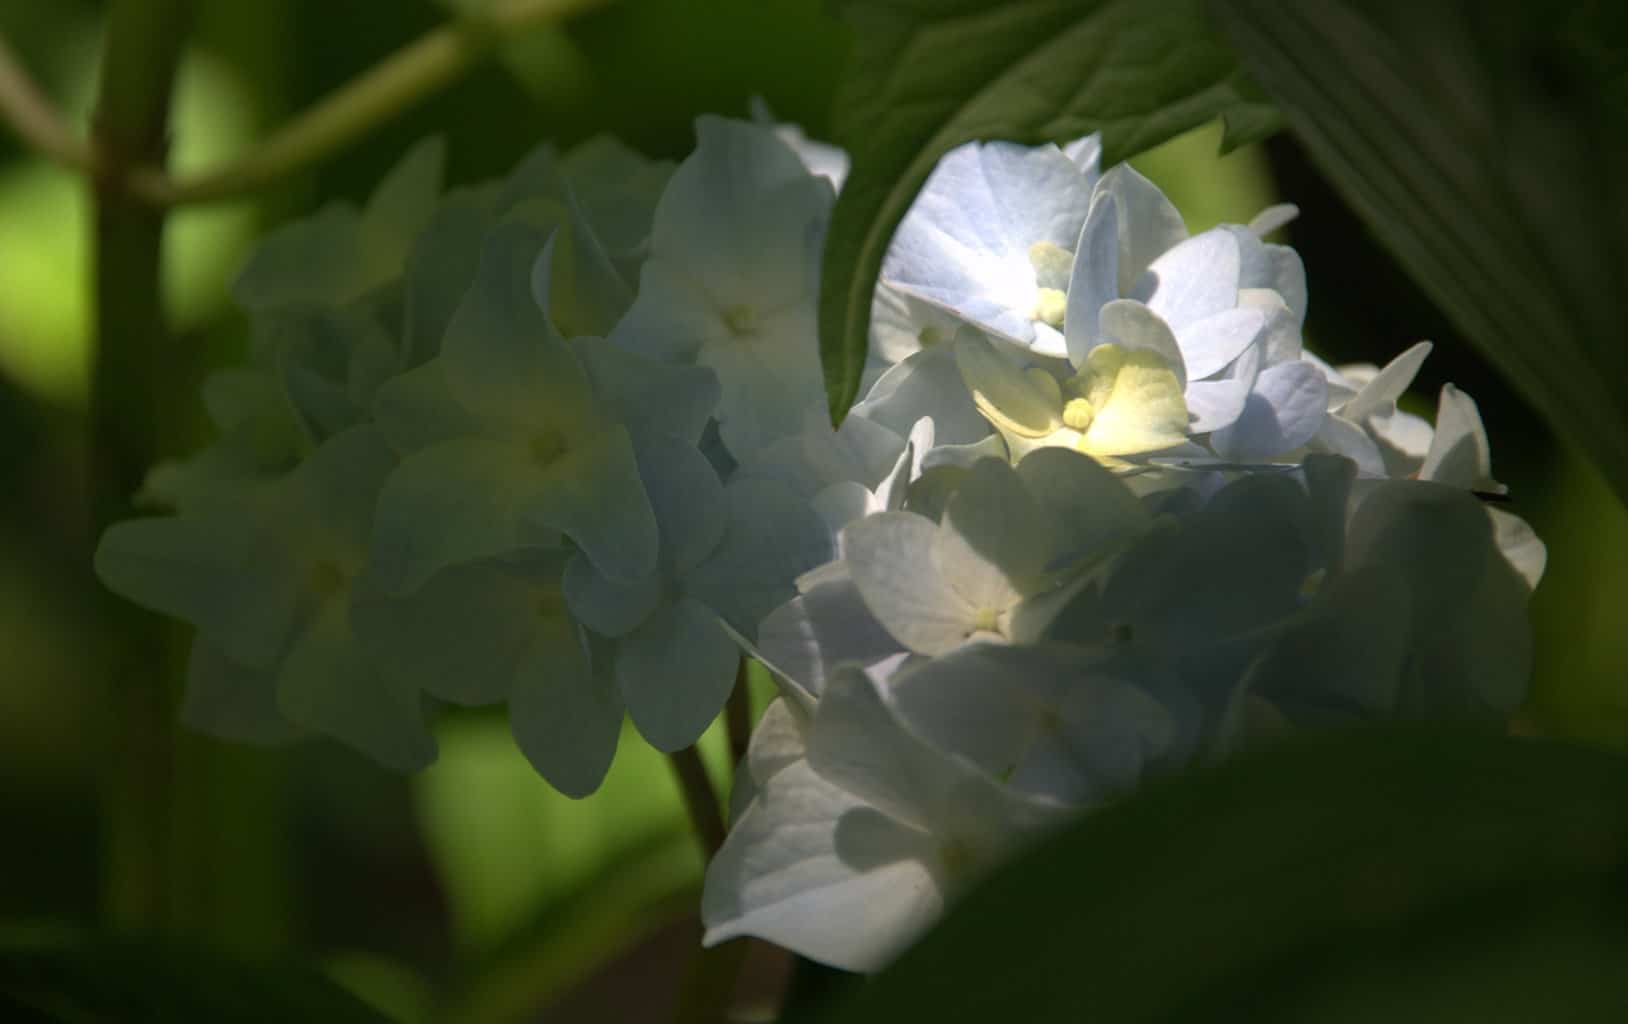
(709, 984)
(738, 717)
(378, 94)
(130, 382)
(700, 799)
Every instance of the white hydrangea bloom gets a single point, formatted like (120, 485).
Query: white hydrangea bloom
(858, 831)
(991, 238)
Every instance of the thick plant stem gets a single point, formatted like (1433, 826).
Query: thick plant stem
(130, 382)
(700, 799)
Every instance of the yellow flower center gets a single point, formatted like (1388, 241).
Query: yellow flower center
(1078, 413)
(1049, 307)
(1053, 265)
(987, 620)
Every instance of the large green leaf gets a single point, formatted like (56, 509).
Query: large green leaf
(928, 75)
(1397, 874)
(1486, 144)
(68, 977)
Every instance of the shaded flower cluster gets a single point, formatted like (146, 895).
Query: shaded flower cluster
(559, 441)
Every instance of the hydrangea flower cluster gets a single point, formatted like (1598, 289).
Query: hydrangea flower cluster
(559, 440)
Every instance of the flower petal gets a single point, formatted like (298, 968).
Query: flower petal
(1196, 279)
(457, 501)
(565, 717)
(593, 494)
(328, 684)
(889, 557)
(675, 672)
(783, 875)
(1285, 411)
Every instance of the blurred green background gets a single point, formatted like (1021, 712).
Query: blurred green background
(463, 891)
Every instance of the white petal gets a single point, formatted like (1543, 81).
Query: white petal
(964, 244)
(1095, 281)
(1131, 325)
(1149, 224)
(852, 900)
(993, 542)
(1342, 437)
(1459, 453)
(829, 625)
(1049, 720)
(1273, 218)
(1525, 551)
(903, 325)
(890, 560)
(1378, 396)
(1286, 409)
(843, 503)
(1198, 278)
(927, 384)
(1090, 508)
(1211, 343)
(857, 742)
(1215, 404)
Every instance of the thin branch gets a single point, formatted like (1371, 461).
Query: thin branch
(700, 799)
(436, 59)
(25, 107)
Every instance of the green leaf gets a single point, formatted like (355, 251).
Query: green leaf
(1396, 874)
(1487, 147)
(70, 977)
(929, 75)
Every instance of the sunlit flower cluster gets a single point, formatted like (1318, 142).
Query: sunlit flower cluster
(560, 441)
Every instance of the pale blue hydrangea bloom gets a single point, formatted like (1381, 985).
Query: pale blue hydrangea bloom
(728, 555)
(732, 278)
(527, 451)
(267, 575)
(340, 253)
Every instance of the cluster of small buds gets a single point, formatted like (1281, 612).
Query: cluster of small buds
(560, 440)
